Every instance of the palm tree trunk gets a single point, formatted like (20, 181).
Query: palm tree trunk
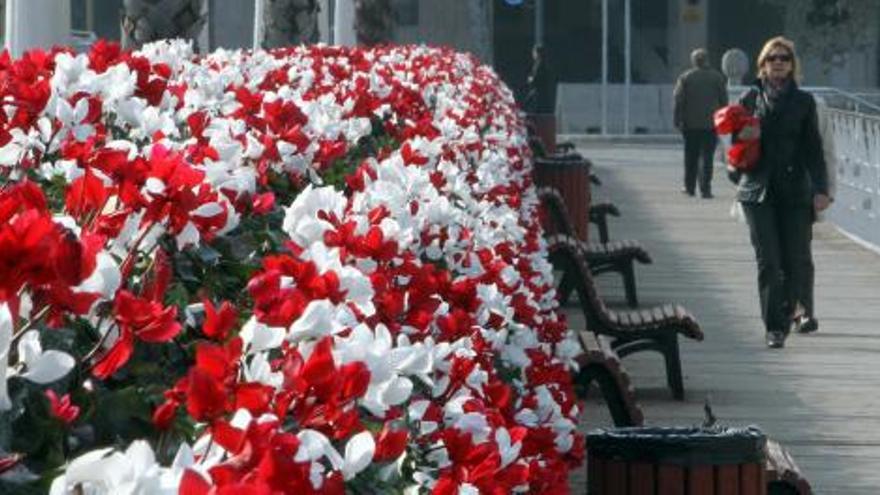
(289, 22)
(144, 21)
(373, 22)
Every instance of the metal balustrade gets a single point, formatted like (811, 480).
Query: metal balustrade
(857, 146)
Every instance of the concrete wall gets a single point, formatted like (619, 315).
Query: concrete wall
(579, 108)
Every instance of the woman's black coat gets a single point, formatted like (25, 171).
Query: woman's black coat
(791, 169)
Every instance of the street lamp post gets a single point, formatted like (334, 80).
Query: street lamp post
(604, 67)
(627, 28)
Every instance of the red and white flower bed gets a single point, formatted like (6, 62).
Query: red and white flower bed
(404, 338)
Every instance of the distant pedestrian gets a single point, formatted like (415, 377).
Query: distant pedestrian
(784, 193)
(699, 92)
(541, 84)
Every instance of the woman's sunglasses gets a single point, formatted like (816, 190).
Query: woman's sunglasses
(778, 58)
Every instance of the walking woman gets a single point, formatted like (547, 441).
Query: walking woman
(783, 193)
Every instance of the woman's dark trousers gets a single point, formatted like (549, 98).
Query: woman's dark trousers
(781, 235)
(699, 155)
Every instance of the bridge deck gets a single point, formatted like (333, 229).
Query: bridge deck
(820, 396)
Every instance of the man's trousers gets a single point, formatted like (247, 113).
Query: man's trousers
(699, 153)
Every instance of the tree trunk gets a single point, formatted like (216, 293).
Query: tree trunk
(144, 21)
(289, 22)
(373, 22)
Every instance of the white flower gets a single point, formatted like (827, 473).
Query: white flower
(189, 236)
(106, 278)
(72, 117)
(358, 453)
(18, 146)
(388, 387)
(301, 220)
(509, 452)
(258, 337)
(134, 471)
(318, 320)
(38, 366)
(5, 342)
(41, 366)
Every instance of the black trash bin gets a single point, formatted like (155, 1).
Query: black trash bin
(676, 460)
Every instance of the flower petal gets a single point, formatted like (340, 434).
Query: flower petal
(48, 367)
(358, 454)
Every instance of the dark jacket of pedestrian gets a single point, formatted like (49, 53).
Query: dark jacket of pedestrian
(791, 169)
(698, 93)
(541, 84)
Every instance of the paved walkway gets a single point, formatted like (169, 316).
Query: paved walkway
(820, 396)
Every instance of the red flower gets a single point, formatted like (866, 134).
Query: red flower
(163, 416)
(62, 409)
(263, 203)
(206, 396)
(218, 323)
(390, 444)
(116, 357)
(158, 278)
(135, 316)
(147, 319)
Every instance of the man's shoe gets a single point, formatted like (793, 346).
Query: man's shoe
(775, 339)
(806, 324)
(686, 191)
(707, 195)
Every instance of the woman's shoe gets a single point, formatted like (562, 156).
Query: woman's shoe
(776, 339)
(806, 324)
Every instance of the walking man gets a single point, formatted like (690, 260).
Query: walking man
(699, 92)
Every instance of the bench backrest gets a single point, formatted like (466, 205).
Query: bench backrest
(566, 255)
(554, 205)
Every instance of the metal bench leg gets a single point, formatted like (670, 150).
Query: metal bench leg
(566, 287)
(602, 225)
(629, 282)
(673, 367)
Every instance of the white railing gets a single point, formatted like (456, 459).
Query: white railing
(857, 146)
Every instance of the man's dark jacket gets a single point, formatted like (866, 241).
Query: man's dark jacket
(791, 169)
(698, 93)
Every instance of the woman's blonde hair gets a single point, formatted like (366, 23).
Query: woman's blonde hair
(787, 45)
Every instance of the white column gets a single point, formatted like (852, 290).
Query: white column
(539, 22)
(325, 23)
(36, 23)
(343, 23)
(627, 71)
(604, 66)
(258, 25)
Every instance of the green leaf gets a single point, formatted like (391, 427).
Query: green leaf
(122, 415)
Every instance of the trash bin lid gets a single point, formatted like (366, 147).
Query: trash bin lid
(691, 446)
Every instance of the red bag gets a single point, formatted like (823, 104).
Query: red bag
(745, 151)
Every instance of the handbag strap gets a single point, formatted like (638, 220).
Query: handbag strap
(750, 100)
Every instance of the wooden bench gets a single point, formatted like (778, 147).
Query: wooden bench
(783, 475)
(600, 364)
(619, 256)
(655, 329)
